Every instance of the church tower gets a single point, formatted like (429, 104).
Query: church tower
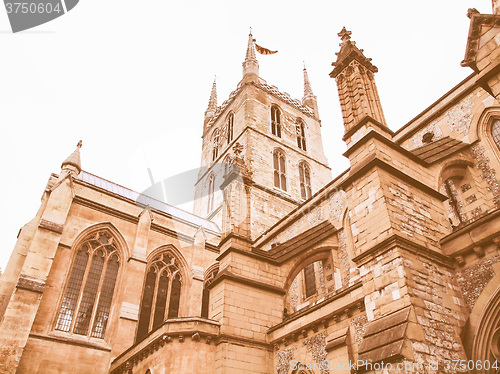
(273, 140)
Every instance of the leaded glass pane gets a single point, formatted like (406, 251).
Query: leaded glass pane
(105, 298)
(495, 132)
(173, 309)
(89, 294)
(147, 304)
(205, 302)
(161, 300)
(73, 291)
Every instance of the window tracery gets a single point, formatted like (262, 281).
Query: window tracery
(86, 305)
(161, 295)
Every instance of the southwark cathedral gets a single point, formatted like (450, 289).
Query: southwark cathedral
(390, 266)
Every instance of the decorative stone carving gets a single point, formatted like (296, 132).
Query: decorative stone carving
(473, 279)
(294, 291)
(417, 139)
(336, 205)
(283, 359)
(316, 345)
(488, 173)
(344, 257)
(459, 117)
(359, 323)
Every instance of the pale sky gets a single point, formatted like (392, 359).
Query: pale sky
(132, 80)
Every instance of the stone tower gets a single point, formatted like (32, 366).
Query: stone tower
(274, 139)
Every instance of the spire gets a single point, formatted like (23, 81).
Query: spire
(250, 65)
(212, 102)
(250, 48)
(307, 85)
(359, 100)
(73, 164)
(309, 99)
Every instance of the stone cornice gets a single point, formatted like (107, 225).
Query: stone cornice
(397, 241)
(375, 162)
(72, 341)
(324, 319)
(396, 147)
(227, 275)
(195, 328)
(51, 226)
(30, 283)
(360, 124)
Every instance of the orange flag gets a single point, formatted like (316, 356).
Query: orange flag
(264, 51)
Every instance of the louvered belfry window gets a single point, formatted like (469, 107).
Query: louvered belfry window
(301, 134)
(279, 169)
(86, 305)
(276, 121)
(161, 295)
(305, 181)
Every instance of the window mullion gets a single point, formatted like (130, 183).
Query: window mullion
(99, 288)
(169, 293)
(82, 287)
(153, 302)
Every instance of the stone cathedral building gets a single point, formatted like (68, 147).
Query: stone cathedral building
(282, 268)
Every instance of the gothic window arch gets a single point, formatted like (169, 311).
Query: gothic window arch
(230, 127)
(279, 163)
(215, 151)
(314, 277)
(205, 300)
(161, 294)
(301, 134)
(211, 192)
(276, 121)
(86, 305)
(305, 181)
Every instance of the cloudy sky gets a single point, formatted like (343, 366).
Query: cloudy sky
(132, 80)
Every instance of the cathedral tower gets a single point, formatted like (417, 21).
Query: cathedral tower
(277, 141)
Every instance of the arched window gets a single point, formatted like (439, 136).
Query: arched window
(305, 181)
(162, 288)
(87, 300)
(215, 152)
(279, 169)
(276, 121)
(495, 132)
(230, 125)
(301, 134)
(211, 193)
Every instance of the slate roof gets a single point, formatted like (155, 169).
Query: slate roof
(438, 149)
(144, 200)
